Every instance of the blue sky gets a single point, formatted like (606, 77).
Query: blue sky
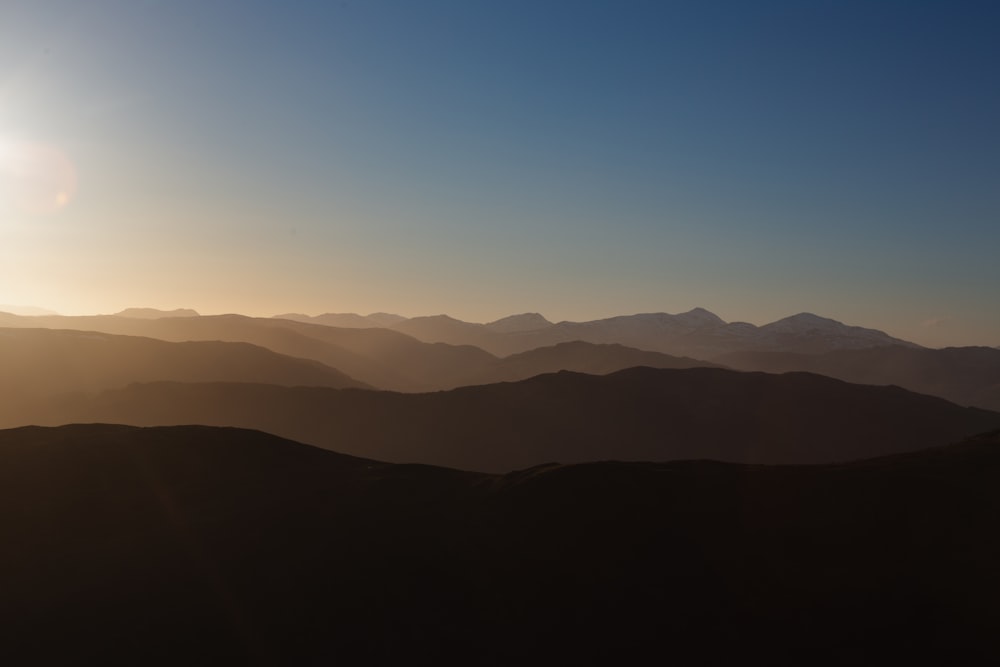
(580, 159)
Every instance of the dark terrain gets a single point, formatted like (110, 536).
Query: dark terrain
(640, 414)
(195, 545)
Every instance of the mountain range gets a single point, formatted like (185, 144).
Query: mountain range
(376, 357)
(389, 359)
(697, 333)
(194, 544)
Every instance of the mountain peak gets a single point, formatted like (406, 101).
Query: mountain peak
(807, 321)
(701, 316)
(837, 333)
(518, 323)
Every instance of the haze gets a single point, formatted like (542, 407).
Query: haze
(580, 160)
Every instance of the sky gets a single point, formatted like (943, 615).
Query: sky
(578, 159)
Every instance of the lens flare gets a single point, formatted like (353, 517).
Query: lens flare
(39, 179)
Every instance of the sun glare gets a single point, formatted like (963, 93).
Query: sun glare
(39, 179)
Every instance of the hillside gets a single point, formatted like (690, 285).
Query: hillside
(193, 544)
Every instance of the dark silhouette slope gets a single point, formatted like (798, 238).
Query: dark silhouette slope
(636, 414)
(219, 546)
(964, 375)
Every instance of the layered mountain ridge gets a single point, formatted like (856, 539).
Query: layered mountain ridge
(697, 333)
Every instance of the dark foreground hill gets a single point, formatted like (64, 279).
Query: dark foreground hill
(637, 414)
(194, 545)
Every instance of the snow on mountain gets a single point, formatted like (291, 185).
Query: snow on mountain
(831, 334)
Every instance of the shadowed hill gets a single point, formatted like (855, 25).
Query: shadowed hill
(174, 545)
(965, 375)
(636, 414)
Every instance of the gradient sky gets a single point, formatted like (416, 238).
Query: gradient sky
(579, 159)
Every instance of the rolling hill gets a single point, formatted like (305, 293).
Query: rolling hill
(193, 544)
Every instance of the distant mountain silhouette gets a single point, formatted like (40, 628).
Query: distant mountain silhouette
(964, 375)
(27, 311)
(697, 333)
(378, 357)
(375, 356)
(348, 320)
(519, 323)
(637, 414)
(177, 545)
(153, 313)
(445, 329)
(392, 360)
(45, 365)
